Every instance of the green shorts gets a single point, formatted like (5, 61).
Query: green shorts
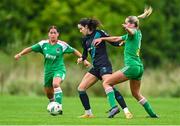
(48, 77)
(133, 72)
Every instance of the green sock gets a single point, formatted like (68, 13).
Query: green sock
(58, 97)
(111, 99)
(149, 109)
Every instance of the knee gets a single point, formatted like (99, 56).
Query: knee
(106, 83)
(56, 85)
(81, 87)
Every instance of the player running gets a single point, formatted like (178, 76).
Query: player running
(101, 69)
(133, 69)
(54, 68)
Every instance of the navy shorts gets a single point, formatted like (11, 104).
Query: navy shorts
(100, 71)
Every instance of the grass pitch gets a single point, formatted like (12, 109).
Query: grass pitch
(24, 110)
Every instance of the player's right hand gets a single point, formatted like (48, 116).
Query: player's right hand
(17, 56)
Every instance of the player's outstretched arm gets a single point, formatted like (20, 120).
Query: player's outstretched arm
(109, 39)
(23, 52)
(77, 53)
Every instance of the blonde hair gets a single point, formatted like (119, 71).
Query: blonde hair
(135, 19)
(147, 12)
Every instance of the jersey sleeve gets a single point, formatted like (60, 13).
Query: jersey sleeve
(85, 51)
(69, 49)
(103, 33)
(65, 47)
(36, 48)
(124, 37)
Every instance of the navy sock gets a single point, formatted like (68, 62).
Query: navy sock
(119, 98)
(84, 99)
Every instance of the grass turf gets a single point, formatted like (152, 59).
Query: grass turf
(24, 110)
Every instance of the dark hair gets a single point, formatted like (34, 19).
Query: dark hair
(92, 24)
(53, 27)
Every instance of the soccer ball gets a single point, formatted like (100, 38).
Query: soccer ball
(54, 108)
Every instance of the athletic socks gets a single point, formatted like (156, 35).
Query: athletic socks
(121, 101)
(119, 98)
(147, 107)
(58, 95)
(126, 110)
(84, 99)
(88, 112)
(111, 97)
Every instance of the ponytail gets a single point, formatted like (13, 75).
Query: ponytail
(135, 19)
(147, 12)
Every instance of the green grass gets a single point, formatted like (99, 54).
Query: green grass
(24, 110)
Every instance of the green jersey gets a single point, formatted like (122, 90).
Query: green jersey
(132, 49)
(53, 54)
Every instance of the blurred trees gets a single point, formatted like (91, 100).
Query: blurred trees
(25, 22)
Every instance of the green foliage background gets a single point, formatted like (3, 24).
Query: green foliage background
(25, 22)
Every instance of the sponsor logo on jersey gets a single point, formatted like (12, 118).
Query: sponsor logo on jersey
(48, 56)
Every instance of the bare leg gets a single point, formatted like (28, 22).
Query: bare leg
(118, 96)
(49, 91)
(113, 79)
(135, 90)
(119, 99)
(108, 83)
(87, 81)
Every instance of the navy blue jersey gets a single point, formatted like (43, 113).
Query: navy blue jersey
(98, 53)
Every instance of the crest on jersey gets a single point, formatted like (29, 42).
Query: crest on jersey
(57, 50)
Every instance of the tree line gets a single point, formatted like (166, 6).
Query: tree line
(25, 22)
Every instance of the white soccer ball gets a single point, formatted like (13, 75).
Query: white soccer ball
(54, 108)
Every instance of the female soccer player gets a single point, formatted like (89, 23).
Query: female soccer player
(101, 66)
(54, 68)
(133, 69)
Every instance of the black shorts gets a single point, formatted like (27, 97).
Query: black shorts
(100, 71)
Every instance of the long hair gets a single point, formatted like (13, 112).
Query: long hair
(135, 19)
(92, 24)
